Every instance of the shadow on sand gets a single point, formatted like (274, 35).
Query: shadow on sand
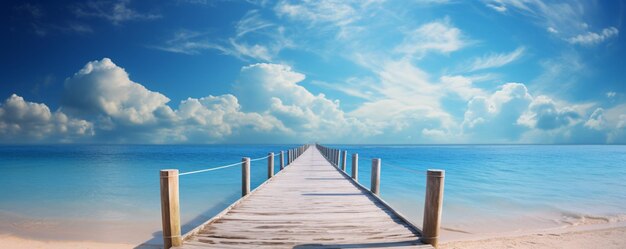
(157, 237)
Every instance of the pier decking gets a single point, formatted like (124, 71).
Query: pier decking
(309, 204)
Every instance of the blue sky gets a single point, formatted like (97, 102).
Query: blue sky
(421, 71)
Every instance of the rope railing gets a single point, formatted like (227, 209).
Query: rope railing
(210, 169)
(169, 180)
(434, 187)
(221, 167)
(421, 172)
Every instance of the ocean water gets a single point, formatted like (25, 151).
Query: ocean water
(111, 192)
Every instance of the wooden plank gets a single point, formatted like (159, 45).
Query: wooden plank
(309, 204)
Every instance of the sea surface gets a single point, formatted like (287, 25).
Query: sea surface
(110, 193)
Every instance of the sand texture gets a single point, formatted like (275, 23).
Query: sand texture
(613, 238)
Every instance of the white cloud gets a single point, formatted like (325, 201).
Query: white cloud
(438, 36)
(610, 94)
(268, 40)
(216, 117)
(273, 89)
(188, 42)
(596, 120)
(495, 117)
(125, 111)
(22, 121)
(251, 22)
(255, 51)
(103, 88)
(406, 102)
(591, 38)
(544, 114)
(116, 12)
(566, 20)
(496, 60)
(462, 86)
(499, 8)
(325, 11)
(339, 18)
(352, 87)
(104, 105)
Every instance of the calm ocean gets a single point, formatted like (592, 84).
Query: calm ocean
(111, 192)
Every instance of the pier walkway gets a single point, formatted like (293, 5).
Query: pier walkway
(309, 204)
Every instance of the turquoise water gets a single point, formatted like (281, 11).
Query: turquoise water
(111, 192)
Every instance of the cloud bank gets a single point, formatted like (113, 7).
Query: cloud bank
(100, 103)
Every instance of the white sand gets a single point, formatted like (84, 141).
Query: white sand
(611, 238)
(14, 242)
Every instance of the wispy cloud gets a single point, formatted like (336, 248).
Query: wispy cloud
(192, 43)
(186, 42)
(269, 40)
(591, 38)
(116, 12)
(438, 36)
(494, 60)
(566, 20)
(251, 22)
(355, 87)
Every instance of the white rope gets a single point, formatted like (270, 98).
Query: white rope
(260, 158)
(220, 167)
(406, 169)
(211, 169)
(400, 167)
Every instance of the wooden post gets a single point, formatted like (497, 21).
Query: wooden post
(170, 208)
(337, 158)
(288, 156)
(270, 165)
(355, 167)
(432, 206)
(282, 160)
(245, 176)
(376, 176)
(343, 160)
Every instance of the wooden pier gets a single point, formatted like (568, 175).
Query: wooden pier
(311, 203)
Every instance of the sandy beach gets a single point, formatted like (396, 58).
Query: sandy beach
(14, 242)
(610, 238)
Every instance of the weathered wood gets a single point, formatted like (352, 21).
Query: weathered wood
(310, 204)
(343, 160)
(282, 160)
(355, 166)
(245, 176)
(270, 165)
(432, 206)
(376, 176)
(288, 156)
(170, 208)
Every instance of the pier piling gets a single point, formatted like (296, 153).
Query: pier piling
(376, 176)
(245, 176)
(270, 165)
(343, 160)
(170, 208)
(355, 166)
(432, 206)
